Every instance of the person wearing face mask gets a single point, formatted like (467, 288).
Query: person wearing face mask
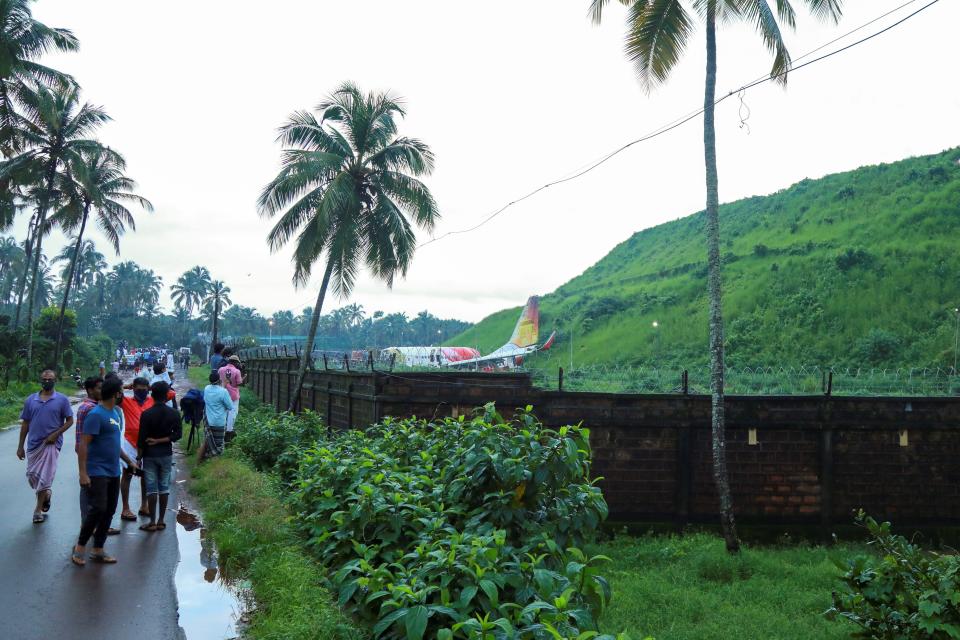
(132, 409)
(45, 417)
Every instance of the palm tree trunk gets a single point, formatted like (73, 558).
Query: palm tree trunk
(26, 273)
(41, 220)
(68, 281)
(311, 336)
(216, 312)
(721, 477)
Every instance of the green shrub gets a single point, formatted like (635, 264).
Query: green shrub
(902, 592)
(459, 528)
(263, 436)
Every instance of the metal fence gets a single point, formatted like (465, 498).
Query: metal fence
(769, 380)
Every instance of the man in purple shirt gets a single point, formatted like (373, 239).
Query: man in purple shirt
(45, 417)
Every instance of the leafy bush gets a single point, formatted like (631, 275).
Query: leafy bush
(903, 592)
(459, 528)
(264, 436)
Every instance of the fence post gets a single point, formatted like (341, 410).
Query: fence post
(826, 467)
(371, 360)
(560, 379)
(685, 382)
(393, 359)
(328, 417)
(346, 363)
(325, 367)
(684, 466)
(350, 405)
(830, 383)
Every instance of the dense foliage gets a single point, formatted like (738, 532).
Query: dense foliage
(858, 268)
(274, 442)
(459, 528)
(901, 592)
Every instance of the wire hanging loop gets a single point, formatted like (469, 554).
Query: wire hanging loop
(744, 111)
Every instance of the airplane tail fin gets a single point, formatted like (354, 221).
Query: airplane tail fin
(527, 330)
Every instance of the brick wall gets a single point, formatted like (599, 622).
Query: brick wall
(815, 459)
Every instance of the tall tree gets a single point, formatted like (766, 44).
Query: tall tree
(89, 263)
(95, 182)
(54, 130)
(191, 288)
(22, 41)
(348, 190)
(657, 33)
(215, 301)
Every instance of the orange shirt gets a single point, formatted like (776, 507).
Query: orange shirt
(132, 410)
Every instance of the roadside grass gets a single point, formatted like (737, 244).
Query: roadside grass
(11, 401)
(198, 375)
(249, 524)
(688, 588)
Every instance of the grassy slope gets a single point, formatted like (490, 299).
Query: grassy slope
(788, 299)
(689, 588)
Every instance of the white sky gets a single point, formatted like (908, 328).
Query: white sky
(509, 95)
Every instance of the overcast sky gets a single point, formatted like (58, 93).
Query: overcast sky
(509, 94)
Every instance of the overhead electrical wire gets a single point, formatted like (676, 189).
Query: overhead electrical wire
(694, 114)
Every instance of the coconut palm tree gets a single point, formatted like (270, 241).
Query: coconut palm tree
(95, 182)
(10, 254)
(89, 262)
(215, 301)
(657, 33)
(190, 289)
(22, 41)
(54, 130)
(348, 190)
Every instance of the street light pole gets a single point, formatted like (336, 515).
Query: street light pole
(956, 339)
(270, 324)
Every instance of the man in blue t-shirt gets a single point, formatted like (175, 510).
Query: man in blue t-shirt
(99, 460)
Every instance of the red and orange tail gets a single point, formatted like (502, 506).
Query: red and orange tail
(527, 331)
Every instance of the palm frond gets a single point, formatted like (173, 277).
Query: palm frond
(657, 34)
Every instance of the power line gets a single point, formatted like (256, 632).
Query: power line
(685, 119)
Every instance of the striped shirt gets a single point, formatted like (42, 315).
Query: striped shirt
(85, 407)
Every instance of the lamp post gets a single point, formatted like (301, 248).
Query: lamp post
(956, 339)
(656, 340)
(439, 339)
(270, 324)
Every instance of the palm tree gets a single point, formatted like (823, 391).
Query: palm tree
(346, 189)
(657, 33)
(22, 41)
(54, 132)
(215, 301)
(10, 255)
(190, 289)
(95, 181)
(89, 262)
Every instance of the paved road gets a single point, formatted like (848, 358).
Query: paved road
(43, 595)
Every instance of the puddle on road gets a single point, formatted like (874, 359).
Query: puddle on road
(209, 605)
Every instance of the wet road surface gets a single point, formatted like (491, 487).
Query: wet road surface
(43, 595)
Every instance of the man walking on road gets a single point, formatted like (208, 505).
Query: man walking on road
(217, 360)
(99, 458)
(45, 417)
(232, 381)
(93, 387)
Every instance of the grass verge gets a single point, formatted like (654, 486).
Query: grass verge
(11, 401)
(687, 587)
(249, 525)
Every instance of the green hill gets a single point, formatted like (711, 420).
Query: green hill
(855, 269)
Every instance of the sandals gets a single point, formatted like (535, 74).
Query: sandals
(128, 516)
(46, 503)
(150, 527)
(161, 526)
(113, 531)
(76, 557)
(103, 558)
(38, 518)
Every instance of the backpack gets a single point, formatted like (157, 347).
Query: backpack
(192, 406)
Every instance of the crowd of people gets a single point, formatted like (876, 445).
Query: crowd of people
(123, 430)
